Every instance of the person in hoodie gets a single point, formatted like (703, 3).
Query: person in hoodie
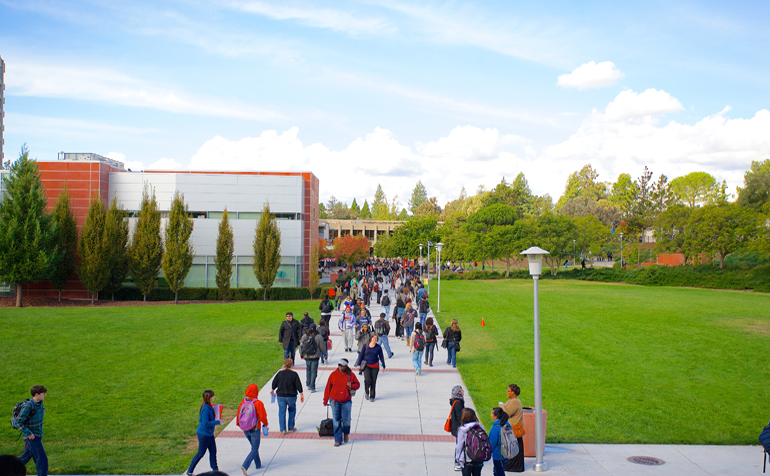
(304, 324)
(500, 419)
(456, 404)
(205, 433)
(407, 320)
(326, 309)
(469, 468)
(312, 358)
(347, 325)
(423, 307)
(252, 398)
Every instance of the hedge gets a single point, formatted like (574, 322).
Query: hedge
(212, 294)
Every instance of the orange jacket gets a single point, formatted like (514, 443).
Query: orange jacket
(252, 392)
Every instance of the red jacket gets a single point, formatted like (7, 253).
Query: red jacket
(337, 386)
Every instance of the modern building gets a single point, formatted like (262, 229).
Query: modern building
(293, 198)
(2, 113)
(331, 229)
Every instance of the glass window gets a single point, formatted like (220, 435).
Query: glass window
(249, 215)
(218, 215)
(196, 278)
(246, 278)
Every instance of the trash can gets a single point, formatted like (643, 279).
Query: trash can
(529, 427)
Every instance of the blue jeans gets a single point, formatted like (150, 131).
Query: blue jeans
(254, 438)
(311, 371)
(205, 443)
(429, 346)
(288, 353)
(283, 404)
(399, 311)
(386, 345)
(341, 417)
(451, 355)
(423, 316)
(386, 310)
(417, 360)
(499, 467)
(33, 449)
(408, 331)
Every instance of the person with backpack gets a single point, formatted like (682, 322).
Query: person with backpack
(400, 304)
(452, 338)
(326, 308)
(423, 307)
(323, 331)
(502, 440)
(382, 329)
(286, 385)
(312, 348)
(378, 289)
(385, 303)
(28, 417)
(206, 441)
(431, 339)
(363, 336)
(340, 387)
(472, 447)
(371, 356)
(251, 417)
(408, 321)
(417, 338)
(304, 324)
(516, 419)
(288, 335)
(456, 405)
(348, 325)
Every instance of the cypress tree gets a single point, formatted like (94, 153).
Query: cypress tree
(66, 239)
(313, 271)
(28, 252)
(94, 269)
(224, 259)
(267, 250)
(178, 253)
(146, 249)
(116, 229)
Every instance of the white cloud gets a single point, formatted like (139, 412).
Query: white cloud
(41, 126)
(591, 75)
(470, 143)
(165, 164)
(631, 105)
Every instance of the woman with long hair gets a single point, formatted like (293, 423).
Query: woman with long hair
(469, 468)
(206, 442)
(452, 337)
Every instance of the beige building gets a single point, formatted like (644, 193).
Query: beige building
(330, 229)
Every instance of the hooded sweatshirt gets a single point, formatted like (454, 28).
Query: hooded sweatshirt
(252, 396)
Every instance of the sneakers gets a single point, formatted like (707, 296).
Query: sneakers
(458, 467)
(338, 444)
(391, 355)
(283, 433)
(371, 399)
(293, 429)
(366, 397)
(245, 473)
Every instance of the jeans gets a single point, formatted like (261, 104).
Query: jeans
(386, 310)
(311, 371)
(451, 355)
(379, 296)
(254, 438)
(337, 302)
(370, 380)
(288, 353)
(33, 449)
(429, 347)
(386, 345)
(399, 311)
(205, 443)
(408, 331)
(499, 467)
(350, 338)
(472, 469)
(341, 417)
(417, 360)
(283, 404)
(423, 316)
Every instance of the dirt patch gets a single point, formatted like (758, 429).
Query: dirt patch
(751, 326)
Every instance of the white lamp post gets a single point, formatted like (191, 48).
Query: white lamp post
(429, 245)
(535, 260)
(621, 249)
(420, 245)
(439, 245)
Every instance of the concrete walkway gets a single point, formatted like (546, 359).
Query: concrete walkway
(402, 433)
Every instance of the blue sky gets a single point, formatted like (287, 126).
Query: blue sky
(453, 94)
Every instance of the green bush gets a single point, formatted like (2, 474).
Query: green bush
(212, 294)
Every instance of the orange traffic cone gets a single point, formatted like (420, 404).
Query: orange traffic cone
(482, 322)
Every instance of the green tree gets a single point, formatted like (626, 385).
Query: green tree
(146, 251)
(178, 253)
(224, 259)
(380, 209)
(28, 251)
(694, 189)
(755, 192)
(116, 230)
(322, 213)
(491, 234)
(354, 206)
(553, 233)
(66, 239)
(591, 234)
(405, 239)
(672, 230)
(94, 269)
(623, 192)
(419, 195)
(583, 184)
(428, 207)
(267, 250)
(365, 212)
(403, 216)
(724, 229)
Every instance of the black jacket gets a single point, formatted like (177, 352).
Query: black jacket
(452, 336)
(456, 414)
(287, 383)
(289, 333)
(304, 324)
(325, 307)
(424, 306)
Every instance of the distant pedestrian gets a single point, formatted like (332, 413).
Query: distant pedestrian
(30, 422)
(566, 262)
(469, 421)
(370, 357)
(288, 335)
(304, 324)
(431, 339)
(407, 320)
(452, 338)
(423, 307)
(499, 421)
(251, 417)
(338, 387)
(326, 308)
(206, 442)
(417, 338)
(385, 303)
(583, 263)
(382, 329)
(286, 385)
(516, 419)
(347, 325)
(323, 331)
(363, 336)
(378, 289)
(312, 348)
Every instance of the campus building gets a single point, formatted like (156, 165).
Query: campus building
(293, 198)
(331, 229)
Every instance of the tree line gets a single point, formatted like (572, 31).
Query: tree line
(36, 245)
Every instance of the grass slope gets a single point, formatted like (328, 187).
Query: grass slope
(620, 364)
(125, 383)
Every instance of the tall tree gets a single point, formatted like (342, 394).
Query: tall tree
(178, 254)
(755, 192)
(365, 212)
(623, 192)
(354, 206)
(28, 251)
(116, 234)
(419, 195)
(583, 184)
(146, 251)
(94, 269)
(224, 259)
(66, 239)
(380, 209)
(590, 235)
(724, 229)
(267, 250)
(322, 212)
(695, 189)
(313, 271)
(553, 233)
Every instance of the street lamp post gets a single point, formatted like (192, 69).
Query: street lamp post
(621, 249)
(535, 260)
(420, 245)
(574, 252)
(439, 245)
(429, 245)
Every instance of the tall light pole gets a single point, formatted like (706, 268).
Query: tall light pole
(535, 260)
(621, 249)
(439, 245)
(574, 252)
(429, 245)
(420, 245)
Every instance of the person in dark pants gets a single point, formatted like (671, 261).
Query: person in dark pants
(431, 339)
(499, 420)
(286, 385)
(469, 468)
(452, 335)
(31, 425)
(288, 335)
(371, 356)
(456, 404)
(514, 409)
(312, 352)
(205, 433)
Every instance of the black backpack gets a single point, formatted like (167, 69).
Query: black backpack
(309, 347)
(326, 308)
(385, 301)
(379, 327)
(15, 421)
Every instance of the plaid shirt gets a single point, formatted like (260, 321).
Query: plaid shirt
(32, 424)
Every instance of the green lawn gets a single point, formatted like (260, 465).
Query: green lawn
(125, 383)
(620, 364)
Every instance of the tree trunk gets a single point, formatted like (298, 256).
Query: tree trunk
(92, 299)
(144, 297)
(507, 266)
(18, 295)
(176, 297)
(60, 295)
(721, 260)
(264, 298)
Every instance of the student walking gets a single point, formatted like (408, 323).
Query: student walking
(516, 419)
(452, 338)
(423, 307)
(382, 329)
(371, 356)
(417, 338)
(206, 442)
(499, 421)
(288, 335)
(312, 348)
(30, 422)
(407, 320)
(347, 325)
(304, 324)
(286, 385)
(431, 339)
(251, 417)
(456, 405)
(338, 390)
(323, 331)
(385, 303)
(326, 308)
(470, 424)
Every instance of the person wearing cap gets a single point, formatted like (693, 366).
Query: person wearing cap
(288, 335)
(347, 325)
(312, 353)
(338, 387)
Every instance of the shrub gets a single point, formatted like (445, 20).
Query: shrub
(213, 294)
